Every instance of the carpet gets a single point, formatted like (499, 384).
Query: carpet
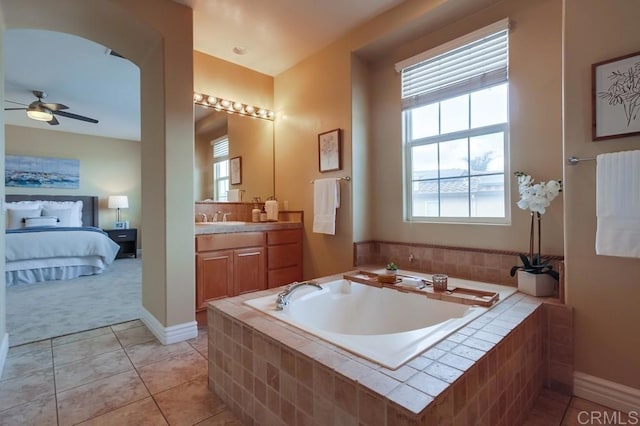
(55, 308)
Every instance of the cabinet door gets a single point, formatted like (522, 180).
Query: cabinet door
(249, 270)
(214, 272)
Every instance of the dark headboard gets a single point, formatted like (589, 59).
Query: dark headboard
(89, 204)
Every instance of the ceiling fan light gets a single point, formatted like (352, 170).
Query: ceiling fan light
(40, 114)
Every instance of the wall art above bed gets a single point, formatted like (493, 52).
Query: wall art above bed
(41, 172)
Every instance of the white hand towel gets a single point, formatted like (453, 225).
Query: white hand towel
(618, 204)
(326, 199)
(271, 207)
(234, 195)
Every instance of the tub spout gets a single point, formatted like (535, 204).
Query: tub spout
(282, 299)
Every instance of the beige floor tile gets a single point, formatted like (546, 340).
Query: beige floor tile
(225, 418)
(69, 352)
(134, 336)
(141, 413)
(125, 325)
(90, 369)
(100, 397)
(29, 347)
(173, 371)
(41, 412)
(150, 352)
(200, 343)
(27, 363)
(189, 403)
(83, 335)
(25, 389)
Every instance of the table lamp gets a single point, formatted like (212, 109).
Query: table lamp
(119, 202)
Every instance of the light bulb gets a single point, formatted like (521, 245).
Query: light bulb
(249, 109)
(212, 100)
(197, 97)
(237, 106)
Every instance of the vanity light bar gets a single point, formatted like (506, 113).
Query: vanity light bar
(232, 107)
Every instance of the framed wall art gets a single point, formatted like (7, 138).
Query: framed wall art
(235, 166)
(616, 97)
(330, 150)
(41, 172)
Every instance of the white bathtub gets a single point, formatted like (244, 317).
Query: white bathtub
(383, 325)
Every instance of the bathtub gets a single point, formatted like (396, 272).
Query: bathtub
(383, 325)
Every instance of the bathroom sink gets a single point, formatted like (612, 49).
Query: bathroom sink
(227, 223)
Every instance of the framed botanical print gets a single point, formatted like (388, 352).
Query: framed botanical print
(329, 150)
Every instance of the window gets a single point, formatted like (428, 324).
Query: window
(455, 129)
(220, 168)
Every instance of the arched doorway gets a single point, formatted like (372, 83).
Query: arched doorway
(157, 36)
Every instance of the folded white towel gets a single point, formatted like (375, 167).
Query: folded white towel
(326, 199)
(271, 207)
(234, 195)
(618, 204)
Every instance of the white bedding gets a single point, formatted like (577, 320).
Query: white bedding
(56, 254)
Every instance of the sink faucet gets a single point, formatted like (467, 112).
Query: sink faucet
(203, 216)
(216, 216)
(224, 216)
(282, 299)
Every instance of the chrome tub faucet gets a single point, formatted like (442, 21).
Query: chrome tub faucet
(282, 299)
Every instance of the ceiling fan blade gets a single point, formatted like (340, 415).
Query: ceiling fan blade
(76, 116)
(54, 121)
(54, 107)
(14, 102)
(15, 109)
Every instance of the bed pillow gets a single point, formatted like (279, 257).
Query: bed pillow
(75, 207)
(30, 222)
(15, 217)
(62, 216)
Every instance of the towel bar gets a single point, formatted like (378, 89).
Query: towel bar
(572, 161)
(347, 178)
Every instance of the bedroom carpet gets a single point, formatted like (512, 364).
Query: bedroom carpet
(55, 308)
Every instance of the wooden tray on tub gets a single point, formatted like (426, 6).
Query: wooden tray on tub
(466, 296)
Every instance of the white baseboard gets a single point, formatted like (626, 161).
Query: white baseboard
(4, 350)
(171, 334)
(605, 392)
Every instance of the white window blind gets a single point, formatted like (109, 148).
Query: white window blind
(477, 60)
(220, 148)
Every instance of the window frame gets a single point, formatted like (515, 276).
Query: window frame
(214, 163)
(412, 101)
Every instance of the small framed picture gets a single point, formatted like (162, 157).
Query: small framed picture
(235, 165)
(616, 110)
(119, 225)
(329, 150)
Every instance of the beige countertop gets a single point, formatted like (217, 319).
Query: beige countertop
(223, 228)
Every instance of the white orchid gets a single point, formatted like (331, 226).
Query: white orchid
(536, 196)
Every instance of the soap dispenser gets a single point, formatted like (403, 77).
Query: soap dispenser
(255, 213)
(263, 214)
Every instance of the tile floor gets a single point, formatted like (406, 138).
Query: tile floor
(118, 375)
(121, 375)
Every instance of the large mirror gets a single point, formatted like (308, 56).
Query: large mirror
(249, 138)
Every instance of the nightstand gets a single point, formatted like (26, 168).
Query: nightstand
(127, 239)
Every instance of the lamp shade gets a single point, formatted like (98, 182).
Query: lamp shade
(118, 202)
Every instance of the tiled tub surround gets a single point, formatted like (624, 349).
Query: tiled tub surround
(269, 372)
(492, 266)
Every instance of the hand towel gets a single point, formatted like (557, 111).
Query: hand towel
(271, 207)
(234, 195)
(618, 204)
(326, 199)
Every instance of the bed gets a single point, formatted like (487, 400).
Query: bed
(54, 237)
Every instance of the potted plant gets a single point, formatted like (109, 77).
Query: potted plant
(390, 273)
(536, 276)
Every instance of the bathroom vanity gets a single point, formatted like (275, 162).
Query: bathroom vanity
(239, 258)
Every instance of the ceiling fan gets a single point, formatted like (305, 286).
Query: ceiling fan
(43, 111)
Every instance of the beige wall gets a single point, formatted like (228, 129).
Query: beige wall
(330, 82)
(107, 167)
(604, 290)
(157, 37)
(217, 77)
(535, 129)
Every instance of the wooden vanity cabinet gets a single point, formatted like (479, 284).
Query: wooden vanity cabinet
(284, 257)
(228, 265)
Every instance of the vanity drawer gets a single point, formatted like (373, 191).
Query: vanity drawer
(284, 237)
(278, 277)
(284, 255)
(229, 241)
